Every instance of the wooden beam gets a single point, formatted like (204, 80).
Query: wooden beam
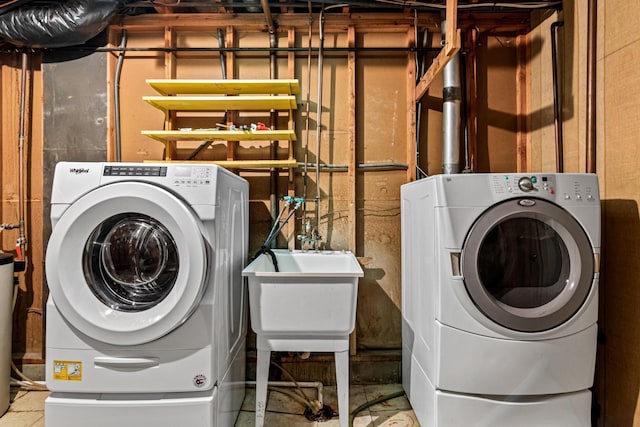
(339, 22)
(352, 158)
(523, 155)
(472, 103)
(170, 73)
(230, 68)
(291, 186)
(411, 108)
(450, 48)
(112, 60)
(436, 67)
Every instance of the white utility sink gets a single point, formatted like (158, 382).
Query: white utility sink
(309, 304)
(313, 294)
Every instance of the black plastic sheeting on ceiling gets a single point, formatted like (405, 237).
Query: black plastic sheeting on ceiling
(57, 24)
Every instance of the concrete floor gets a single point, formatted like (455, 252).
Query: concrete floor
(27, 409)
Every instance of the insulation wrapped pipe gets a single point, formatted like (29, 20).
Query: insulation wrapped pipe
(59, 24)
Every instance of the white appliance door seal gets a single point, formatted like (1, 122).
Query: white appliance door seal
(168, 235)
(528, 265)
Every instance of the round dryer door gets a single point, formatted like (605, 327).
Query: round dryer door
(126, 263)
(528, 265)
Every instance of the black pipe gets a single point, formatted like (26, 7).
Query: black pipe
(241, 49)
(116, 96)
(557, 110)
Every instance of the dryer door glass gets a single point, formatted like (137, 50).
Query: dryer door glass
(130, 262)
(523, 262)
(528, 265)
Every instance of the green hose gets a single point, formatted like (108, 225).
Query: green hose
(380, 399)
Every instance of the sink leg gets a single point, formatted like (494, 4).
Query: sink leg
(262, 377)
(342, 381)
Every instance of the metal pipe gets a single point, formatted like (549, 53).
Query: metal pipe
(302, 384)
(319, 122)
(362, 166)
(592, 20)
(273, 146)
(21, 159)
(266, 9)
(557, 110)
(399, 50)
(451, 117)
(464, 106)
(305, 177)
(116, 96)
(223, 59)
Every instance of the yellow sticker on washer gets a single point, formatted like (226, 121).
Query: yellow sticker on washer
(66, 370)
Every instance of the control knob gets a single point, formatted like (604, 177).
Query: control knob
(525, 184)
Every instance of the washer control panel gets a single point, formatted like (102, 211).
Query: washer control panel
(125, 170)
(179, 175)
(191, 175)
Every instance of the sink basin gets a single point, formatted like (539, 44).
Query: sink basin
(313, 294)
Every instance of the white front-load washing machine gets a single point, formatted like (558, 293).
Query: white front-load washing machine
(146, 316)
(500, 298)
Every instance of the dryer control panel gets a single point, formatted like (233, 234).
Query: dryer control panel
(543, 185)
(524, 184)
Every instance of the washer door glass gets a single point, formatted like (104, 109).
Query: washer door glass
(130, 262)
(528, 265)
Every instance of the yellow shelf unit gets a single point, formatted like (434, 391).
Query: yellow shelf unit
(221, 103)
(220, 135)
(224, 87)
(197, 95)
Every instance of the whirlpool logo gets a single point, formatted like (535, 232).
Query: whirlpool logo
(79, 171)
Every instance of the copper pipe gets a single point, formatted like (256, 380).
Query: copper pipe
(267, 15)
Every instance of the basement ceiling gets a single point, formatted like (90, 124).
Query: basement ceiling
(67, 23)
(349, 6)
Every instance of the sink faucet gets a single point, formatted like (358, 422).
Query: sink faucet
(310, 236)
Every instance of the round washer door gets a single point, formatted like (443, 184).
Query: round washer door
(126, 263)
(527, 265)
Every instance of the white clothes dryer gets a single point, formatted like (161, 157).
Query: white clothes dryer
(147, 312)
(500, 298)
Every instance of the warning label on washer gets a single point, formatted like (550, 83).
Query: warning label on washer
(66, 370)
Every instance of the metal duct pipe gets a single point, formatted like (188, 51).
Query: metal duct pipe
(57, 24)
(451, 114)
